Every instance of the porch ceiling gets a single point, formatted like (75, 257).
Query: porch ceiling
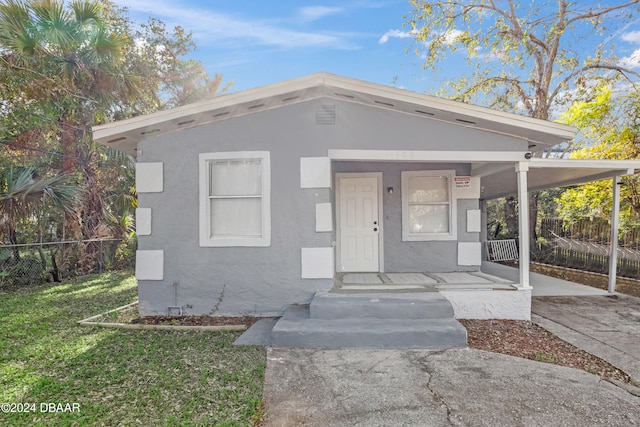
(499, 180)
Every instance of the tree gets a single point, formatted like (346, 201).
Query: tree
(67, 66)
(23, 192)
(610, 129)
(524, 58)
(531, 58)
(69, 63)
(70, 59)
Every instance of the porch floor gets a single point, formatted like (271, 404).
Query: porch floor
(416, 282)
(542, 285)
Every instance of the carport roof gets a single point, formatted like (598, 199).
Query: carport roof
(124, 135)
(499, 179)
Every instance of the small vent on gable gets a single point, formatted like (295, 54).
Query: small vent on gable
(111, 141)
(326, 114)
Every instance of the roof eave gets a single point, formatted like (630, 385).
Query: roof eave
(125, 134)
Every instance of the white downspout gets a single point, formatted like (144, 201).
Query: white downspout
(615, 223)
(523, 222)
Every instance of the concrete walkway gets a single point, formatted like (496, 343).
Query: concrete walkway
(605, 326)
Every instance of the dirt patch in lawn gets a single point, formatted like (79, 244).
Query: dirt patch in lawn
(128, 315)
(195, 320)
(527, 340)
(530, 341)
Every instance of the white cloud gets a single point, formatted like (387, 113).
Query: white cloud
(313, 13)
(212, 27)
(450, 36)
(632, 61)
(396, 34)
(631, 37)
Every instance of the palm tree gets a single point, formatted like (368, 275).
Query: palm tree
(72, 52)
(71, 58)
(22, 192)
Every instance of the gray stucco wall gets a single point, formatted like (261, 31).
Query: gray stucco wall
(399, 256)
(262, 281)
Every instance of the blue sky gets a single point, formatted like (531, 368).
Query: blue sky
(254, 43)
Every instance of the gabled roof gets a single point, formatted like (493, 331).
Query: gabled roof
(124, 135)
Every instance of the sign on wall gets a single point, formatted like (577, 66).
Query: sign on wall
(462, 181)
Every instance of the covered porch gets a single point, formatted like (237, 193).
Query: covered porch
(503, 179)
(488, 293)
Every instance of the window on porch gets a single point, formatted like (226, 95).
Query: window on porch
(428, 210)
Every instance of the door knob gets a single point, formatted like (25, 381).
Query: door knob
(375, 229)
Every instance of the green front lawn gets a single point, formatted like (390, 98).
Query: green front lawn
(117, 377)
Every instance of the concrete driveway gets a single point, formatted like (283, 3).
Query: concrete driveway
(306, 387)
(465, 387)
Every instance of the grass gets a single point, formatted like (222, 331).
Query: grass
(118, 377)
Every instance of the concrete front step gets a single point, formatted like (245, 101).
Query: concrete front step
(421, 321)
(433, 334)
(425, 305)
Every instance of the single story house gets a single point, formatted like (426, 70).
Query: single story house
(252, 201)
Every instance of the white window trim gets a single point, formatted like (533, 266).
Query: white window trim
(205, 207)
(453, 217)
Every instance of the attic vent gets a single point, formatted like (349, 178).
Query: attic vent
(424, 112)
(345, 95)
(291, 98)
(252, 107)
(147, 132)
(469, 122)
(224, 113)
(388, 104)
(186, 122)
(326, 114)
(111, 141)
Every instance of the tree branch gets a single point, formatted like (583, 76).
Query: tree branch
(617, 68)
(514, 83)
(596, 14)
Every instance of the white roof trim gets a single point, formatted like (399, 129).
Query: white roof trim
(449, 105)
(125, 134)
(623, 167)
(426, 156)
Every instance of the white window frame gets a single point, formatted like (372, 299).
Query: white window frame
(206, 240)
(453, 218)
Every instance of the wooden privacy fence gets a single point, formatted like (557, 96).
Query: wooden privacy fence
(596, 231)
(584, 246)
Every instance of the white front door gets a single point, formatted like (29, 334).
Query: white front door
(359, 223)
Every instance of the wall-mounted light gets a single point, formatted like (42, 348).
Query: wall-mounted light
(390, 190)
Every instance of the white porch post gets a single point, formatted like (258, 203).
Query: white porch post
(523, 222)
(615, 221)
(483, 227)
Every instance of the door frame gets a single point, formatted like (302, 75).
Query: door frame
(378, 176)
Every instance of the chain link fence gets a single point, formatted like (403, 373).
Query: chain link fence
(30, 264)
